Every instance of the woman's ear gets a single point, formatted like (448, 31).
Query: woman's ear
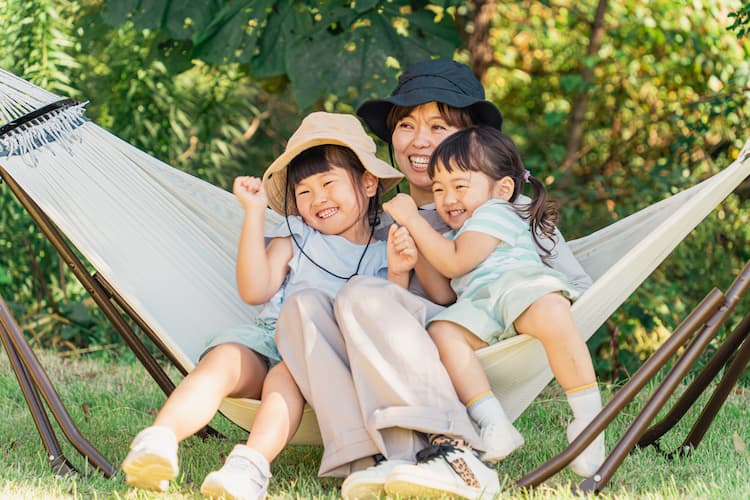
(504, 188)
(370, 182)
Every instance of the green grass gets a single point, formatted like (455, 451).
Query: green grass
(110, 402)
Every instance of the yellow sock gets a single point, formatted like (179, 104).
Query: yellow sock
(477, 398)
(580, 388)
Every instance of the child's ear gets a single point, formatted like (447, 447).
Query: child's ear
(504, 188)
(370, 183)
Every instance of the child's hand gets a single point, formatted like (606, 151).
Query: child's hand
(402, 208)
(401, 250)
(250, 192)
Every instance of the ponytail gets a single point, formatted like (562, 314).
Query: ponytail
(541, 214)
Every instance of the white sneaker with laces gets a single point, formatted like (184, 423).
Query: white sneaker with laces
(370, 482)
(500, 441)
(244, 476)
(444, 470)
(152, 460)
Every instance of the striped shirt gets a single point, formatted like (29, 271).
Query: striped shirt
(516, 249)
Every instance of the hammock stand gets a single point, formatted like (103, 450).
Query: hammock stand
(700, 326)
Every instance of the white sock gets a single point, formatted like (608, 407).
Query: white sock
(497, 431)
(586, 404)
(488, 410)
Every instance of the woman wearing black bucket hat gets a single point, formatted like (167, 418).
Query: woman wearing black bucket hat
(405, 397)
(432, 100)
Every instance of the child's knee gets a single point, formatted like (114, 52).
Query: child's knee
(549, 306)
(447, 335)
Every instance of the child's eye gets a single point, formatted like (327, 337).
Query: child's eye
(437, 190)
(300, 193)
(326, 183)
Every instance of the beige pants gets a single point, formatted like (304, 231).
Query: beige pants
(368, 368)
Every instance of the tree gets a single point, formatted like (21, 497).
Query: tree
(346, 49)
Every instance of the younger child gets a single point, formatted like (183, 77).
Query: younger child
(500, 282)
(326, 184)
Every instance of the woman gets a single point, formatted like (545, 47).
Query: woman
(392, 391)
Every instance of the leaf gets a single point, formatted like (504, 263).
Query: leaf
(739, 444)
(117, 13)
(185, 18)
(5, 278)
(233, 33)
(283, 26)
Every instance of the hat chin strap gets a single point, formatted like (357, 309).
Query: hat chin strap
(393, 163)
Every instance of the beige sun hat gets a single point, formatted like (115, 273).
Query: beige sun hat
(326, 128)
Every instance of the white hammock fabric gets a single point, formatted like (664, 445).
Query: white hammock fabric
(166, 241)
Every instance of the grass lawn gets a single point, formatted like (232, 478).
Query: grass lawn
(110, 402)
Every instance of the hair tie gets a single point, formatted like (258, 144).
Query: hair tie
(526, 175)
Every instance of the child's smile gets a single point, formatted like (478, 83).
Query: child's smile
(329, 202)
(458, 193)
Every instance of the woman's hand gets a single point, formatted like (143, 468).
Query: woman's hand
(402, 255)
(250, 192)
(402, 208)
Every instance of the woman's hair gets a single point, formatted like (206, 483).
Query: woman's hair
(480, 148)
(455, 117)
(319, 159)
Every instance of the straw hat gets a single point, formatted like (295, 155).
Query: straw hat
(438, 80)
(326, 128)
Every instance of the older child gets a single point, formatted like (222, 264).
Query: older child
(489, 262)
(327, 184)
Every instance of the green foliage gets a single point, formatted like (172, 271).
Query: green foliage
(213, 122)
(347, 49)
(668, 107)
(741, 20)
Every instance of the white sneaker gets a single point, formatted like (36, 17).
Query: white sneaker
(370, 482)
(152, 460)
(444, 470)
(500, 441)
(244, 476)
(588, 462)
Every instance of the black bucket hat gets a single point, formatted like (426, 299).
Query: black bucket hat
(438, 80)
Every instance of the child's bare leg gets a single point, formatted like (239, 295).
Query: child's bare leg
(226, 370)
(247, 471)
(279, 414)
(456, 346)
(549, 320)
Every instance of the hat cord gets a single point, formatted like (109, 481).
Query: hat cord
(361, 258)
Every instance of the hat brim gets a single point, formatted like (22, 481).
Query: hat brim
(375, 111)
(274, 178)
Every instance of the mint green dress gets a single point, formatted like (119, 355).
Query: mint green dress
(494, 294)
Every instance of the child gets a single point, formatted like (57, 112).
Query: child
(327, 184)
(501, 284)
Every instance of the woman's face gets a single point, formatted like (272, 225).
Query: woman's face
(414, 139)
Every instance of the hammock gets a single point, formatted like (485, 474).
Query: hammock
(166, 241)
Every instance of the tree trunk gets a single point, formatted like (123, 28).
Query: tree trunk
(580, 102)
(481, 54)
